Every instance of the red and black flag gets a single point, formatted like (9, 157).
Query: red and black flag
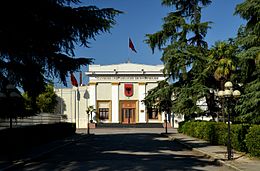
(131, 46)
(73, 80)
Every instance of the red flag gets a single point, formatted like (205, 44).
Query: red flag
(131, 46)
(73, 80)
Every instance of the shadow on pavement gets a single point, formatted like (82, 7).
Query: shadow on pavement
(139, 151)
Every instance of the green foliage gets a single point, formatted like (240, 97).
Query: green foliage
(249, 104)
(253, 140)
(216, 133)
(249, 10)
(27, 102)
(238, 60)
(186, 97)
(46, 101)
(249, 42)
(222, 60)
(203, 130)
(238, 136)
(38, 38)
(160, 97)
(182, 41)
(181, 126)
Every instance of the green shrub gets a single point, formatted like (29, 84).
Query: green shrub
(253, 140)
(209, 133)
(216, 133)
(203, 130)
(221, 132)
(186, 127)
(238, 135)
(180, 126)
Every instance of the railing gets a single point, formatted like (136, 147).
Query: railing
(43, 118)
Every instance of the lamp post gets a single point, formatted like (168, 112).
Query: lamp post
(229, 93)
(9, 94)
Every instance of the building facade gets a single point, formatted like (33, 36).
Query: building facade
(116, 92)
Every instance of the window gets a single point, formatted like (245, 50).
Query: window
(153, 113)
(103, 113)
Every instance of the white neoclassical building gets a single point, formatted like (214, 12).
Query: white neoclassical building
(116, 92)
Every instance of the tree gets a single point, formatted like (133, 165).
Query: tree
(37, 40)
(47, 101)
(249, 61)
(182, 41)
(223, 61)
(221, 65)
(160, 97)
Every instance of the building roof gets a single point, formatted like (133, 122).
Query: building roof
(125, 72)
(126, 67)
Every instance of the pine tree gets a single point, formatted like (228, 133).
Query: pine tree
(184, 48)
(249, 42)
(160, 97)
(38, 38)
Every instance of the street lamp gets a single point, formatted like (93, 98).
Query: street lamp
(9, 94)
(229, 93)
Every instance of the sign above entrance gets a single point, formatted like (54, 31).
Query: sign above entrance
(129, 90)
(125, 78)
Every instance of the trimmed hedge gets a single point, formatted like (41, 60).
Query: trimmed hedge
(238, 135)
(242, 138)
(20, 139)
(253, 140)
(203, 130)
(180, 126)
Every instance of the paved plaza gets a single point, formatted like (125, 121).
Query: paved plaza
(123, 149)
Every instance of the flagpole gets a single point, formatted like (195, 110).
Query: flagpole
(75, 106)
(78, 98)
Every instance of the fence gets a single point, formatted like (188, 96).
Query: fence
(43, 118)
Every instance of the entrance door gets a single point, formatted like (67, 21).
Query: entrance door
(128, 115)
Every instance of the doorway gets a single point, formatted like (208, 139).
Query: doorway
(128, 116)
(128, 111)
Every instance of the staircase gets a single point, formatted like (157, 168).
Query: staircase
(138, 125)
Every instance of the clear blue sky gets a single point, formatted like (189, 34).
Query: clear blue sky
(145, 16)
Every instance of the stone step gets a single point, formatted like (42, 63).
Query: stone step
(138, 125)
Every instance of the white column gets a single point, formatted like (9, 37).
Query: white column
(92, 98)
(82, 108)
(142, 110)
(74, 106)
(115, 102)
(163, 117)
